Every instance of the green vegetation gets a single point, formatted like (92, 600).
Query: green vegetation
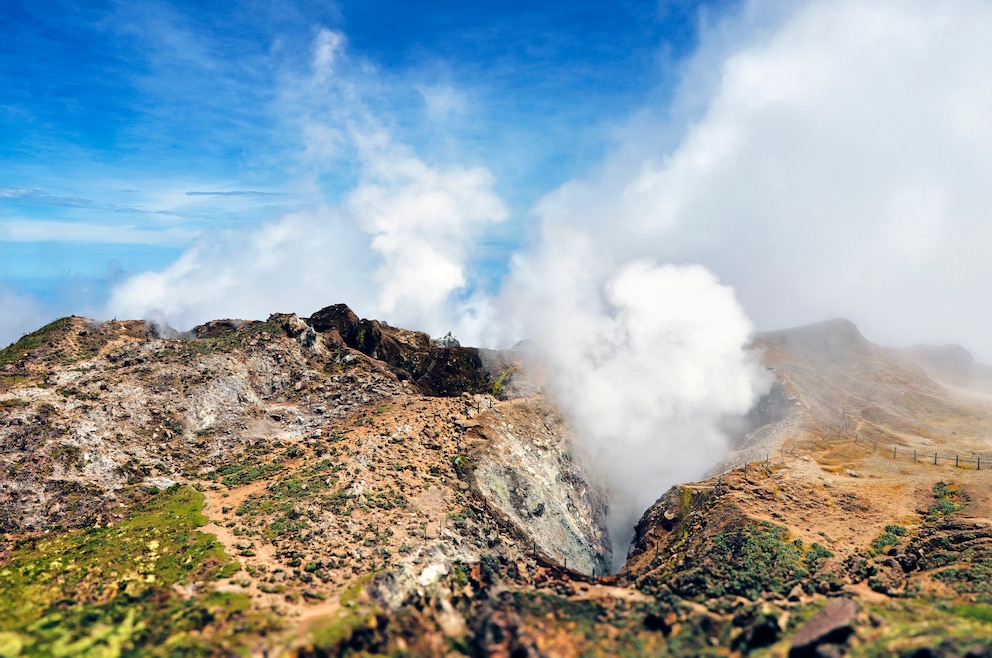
(979, 612)
(333, 631)
(228, 339)
(945, 501)
(86, 345)
(499, 386)
(972, 576)
(460, 519)
(911, 625)
(815, 557)
(76, 393)
(246, 471)
(108, 591)
(17, 351)
(749, 561)
(657, 628)
(890, 537)
(461, 463)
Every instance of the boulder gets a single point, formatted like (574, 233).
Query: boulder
(337, 319)
(833, 624)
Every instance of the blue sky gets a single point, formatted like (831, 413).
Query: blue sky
(426, 163)
(127, 130)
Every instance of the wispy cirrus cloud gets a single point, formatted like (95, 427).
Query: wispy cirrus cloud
(248, 194)
(34, 230)
(37, 197)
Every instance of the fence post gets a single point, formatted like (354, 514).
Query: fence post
(934, 458)
(956, 460)
(914, 456)
(893, 453)
(874, 446)
(979, 462)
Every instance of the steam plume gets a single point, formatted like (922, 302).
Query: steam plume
(644, 359)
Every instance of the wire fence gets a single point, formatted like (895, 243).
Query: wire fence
(934, 457)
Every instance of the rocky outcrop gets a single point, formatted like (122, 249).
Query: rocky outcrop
(520, 455)
(452, 370)
(437, 368)
(217, 328)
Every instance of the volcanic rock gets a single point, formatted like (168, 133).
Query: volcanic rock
(833, 624)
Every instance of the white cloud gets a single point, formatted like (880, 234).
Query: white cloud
(442, 101)
(838, 165)
(327, 50)
(422, 222)
(297, 264)
(398, 247)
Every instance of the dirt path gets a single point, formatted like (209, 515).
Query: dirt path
(263, 561)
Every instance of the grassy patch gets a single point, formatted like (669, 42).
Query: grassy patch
(246, 471)
(748, 561)
(979, 612)
(890, 537)
(946, 502)
(27, 343)
(914, 625)
(109, 591)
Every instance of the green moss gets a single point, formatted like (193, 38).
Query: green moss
(109, 591)
(890, 537)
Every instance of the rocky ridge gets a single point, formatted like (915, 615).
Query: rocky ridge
(336, 486)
